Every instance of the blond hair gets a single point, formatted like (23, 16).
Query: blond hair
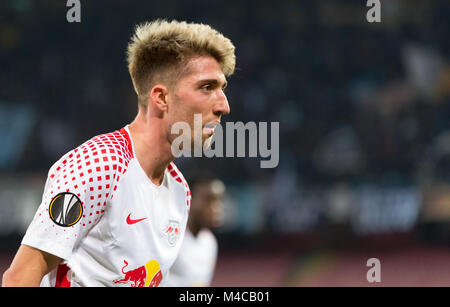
(159, 51)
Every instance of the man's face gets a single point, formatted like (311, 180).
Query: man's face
(200, 91)
(207, 204)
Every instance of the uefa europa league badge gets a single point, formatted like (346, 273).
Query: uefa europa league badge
(65, 209)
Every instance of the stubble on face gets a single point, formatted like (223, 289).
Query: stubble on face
(189, 98)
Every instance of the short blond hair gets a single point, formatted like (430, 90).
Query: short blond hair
(159, 51)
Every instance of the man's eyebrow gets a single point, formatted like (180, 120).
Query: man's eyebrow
(213, 82)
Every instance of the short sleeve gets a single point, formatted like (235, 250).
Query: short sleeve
(77, 191)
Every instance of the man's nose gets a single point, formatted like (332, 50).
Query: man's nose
(222, 106)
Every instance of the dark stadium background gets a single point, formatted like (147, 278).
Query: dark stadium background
(364, 113)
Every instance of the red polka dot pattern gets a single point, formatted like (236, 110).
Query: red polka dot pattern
(92, 171)
(176, 174)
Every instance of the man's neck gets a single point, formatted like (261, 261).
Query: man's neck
(193, 227)
(194, 230)
(151, 146)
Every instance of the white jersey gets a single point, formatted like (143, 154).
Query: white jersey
(196, 262)
(103, 216)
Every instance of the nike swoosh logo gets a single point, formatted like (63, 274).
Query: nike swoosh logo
(131, 221)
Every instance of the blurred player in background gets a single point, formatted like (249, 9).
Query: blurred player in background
(196, 261)
(114, 210)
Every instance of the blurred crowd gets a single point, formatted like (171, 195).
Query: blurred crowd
(357, 102)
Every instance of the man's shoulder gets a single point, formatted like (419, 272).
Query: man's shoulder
(115, 144)
(178, 177)
(110, 151)
(207, 237)
(176, 174)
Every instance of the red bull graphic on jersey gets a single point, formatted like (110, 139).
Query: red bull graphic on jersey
(148, 275)
(172, 230)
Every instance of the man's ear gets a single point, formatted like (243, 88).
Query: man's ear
(158, 98)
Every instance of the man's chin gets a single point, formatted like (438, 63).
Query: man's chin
(207, 142)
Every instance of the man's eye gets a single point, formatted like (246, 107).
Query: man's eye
(206, 87)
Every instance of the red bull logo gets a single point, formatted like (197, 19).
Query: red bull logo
(148, 275)
(173, 232)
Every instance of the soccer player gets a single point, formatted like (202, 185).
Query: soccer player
(196, 261)
(114, 210)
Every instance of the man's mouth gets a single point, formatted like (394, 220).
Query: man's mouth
(209, 128)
